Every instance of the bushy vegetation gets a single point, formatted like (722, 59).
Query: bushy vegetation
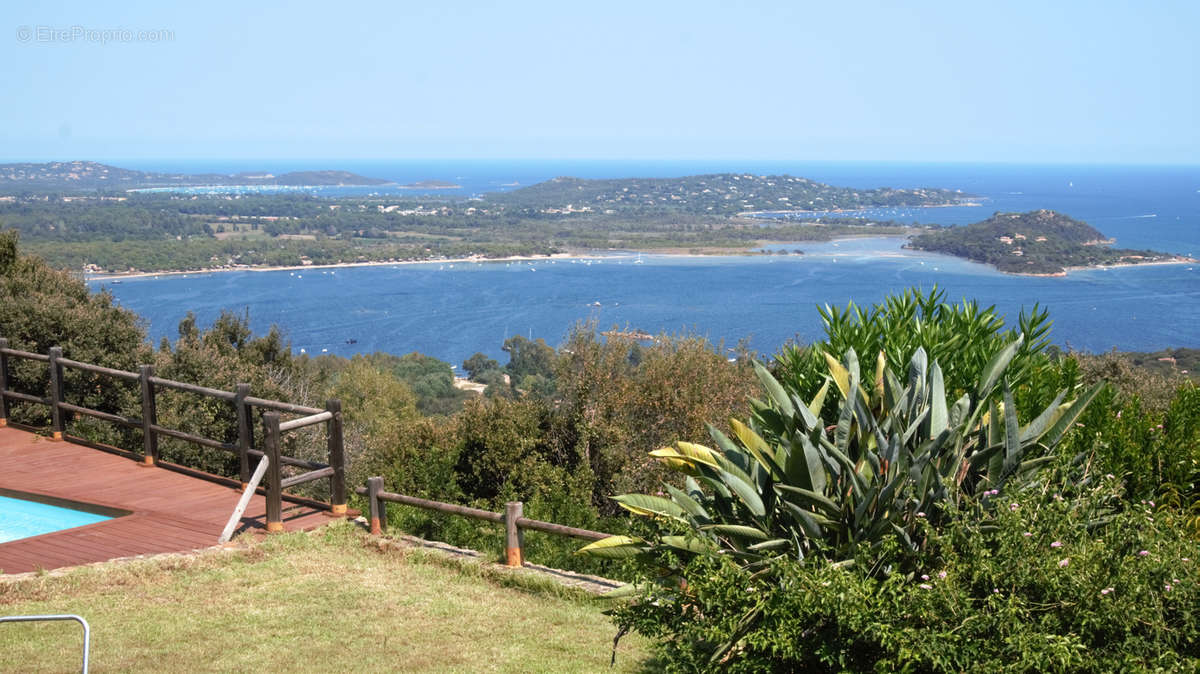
(1029, 586)
(961, 338)
(892, 529)
(925, 489)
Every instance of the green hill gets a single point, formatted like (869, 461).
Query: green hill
(715, 194)
(1037, 242)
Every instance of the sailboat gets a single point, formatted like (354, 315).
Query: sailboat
(639, 259)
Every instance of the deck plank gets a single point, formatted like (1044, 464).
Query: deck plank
(170, 512)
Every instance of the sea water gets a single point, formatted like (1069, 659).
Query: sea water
(451, 310)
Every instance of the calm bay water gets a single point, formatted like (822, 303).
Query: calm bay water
(451, 312)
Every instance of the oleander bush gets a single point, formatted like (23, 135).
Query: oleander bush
(960, 337)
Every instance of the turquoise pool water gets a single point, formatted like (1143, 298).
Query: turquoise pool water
(21, 519)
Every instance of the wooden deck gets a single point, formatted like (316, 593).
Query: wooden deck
(169, 511)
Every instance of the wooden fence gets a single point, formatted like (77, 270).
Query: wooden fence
(243, 404)
(512, 518)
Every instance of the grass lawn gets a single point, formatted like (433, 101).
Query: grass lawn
(328, 601)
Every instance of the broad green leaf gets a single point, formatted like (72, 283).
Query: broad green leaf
(995, 368)
(939, 417)
(804, 468)
(737, 530)
(1012, 433)
(995, 428)
(691, 505)
(850, 470)
(774, 390)
(613, 547)
(772, 544)
(652, 506)
(960, 411)
(685, 456)
(745, 491)
(839, 374)
(689, 543)
(880, 369)
(726, 445)
(1038, 426)
(812, 498)
(758, 447)
(1067, 420)
(917, 368)
(817, 403)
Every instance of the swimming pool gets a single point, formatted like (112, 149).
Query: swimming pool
(22, 518)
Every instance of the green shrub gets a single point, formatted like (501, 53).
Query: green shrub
(40, 308)
(1027, 586)
(1155, 452)
(623, 400)
(961, 338)
(892, 462)
(220, 357)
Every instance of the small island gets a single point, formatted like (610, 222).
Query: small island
(1037, 243)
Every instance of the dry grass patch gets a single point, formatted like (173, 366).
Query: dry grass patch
(322, 602)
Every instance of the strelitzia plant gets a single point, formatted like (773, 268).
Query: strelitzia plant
(897, 457)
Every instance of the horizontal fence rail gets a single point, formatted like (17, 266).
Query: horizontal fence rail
(243, 404)
(24, 354)
(305, 421)
(512, 518)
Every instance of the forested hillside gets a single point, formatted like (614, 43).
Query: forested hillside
(1037, 242)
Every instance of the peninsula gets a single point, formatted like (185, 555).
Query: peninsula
(726, 194)
(1042, 243)
(90, 175)
(156, 230)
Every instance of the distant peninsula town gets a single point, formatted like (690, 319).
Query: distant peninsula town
(104, 219)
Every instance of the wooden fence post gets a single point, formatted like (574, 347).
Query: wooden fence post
(149, 416)
(377, 507)
(3, 382)
(274, 475)
(337, 459)
(513, 540)
(243, 441)
(56, 393)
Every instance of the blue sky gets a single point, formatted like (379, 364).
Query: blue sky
(919, 81)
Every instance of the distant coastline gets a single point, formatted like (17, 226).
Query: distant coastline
(601, 255)
(849, 211)
(430, 185)
(1118, 265)
(106, 276)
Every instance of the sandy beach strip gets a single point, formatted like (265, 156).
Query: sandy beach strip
(104, 276)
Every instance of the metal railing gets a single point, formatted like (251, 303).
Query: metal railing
(244, 406)
(87, 629)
